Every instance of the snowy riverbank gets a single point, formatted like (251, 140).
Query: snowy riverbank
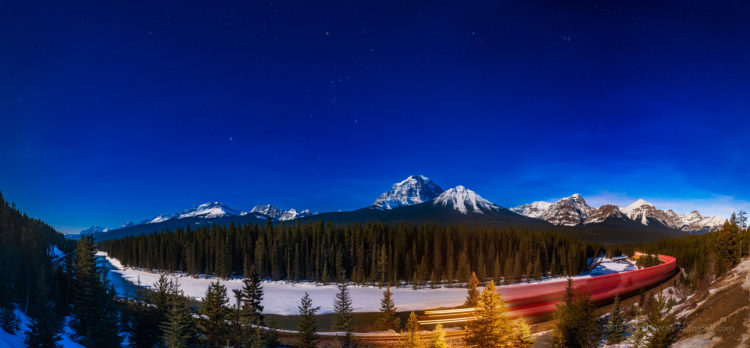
(283, 297)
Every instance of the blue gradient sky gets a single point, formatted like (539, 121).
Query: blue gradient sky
(118, 112)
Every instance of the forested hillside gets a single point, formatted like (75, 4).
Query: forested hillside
(705, 257)
(26, 263)
(362, 253)
(52, 285)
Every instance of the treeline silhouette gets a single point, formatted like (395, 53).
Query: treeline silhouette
(360, 253)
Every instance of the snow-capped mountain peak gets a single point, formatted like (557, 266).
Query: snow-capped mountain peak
(568, 211)
(413, 190)
(464, 200)
(209, 211)
(635, 205)
(573, 210)
(95, 229)
(292, 214)
(268, 210)
(533, 209)
(279, 214)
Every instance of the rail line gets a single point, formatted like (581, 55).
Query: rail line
(534, 302)
(540, 299)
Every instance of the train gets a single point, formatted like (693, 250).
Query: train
(537, 301)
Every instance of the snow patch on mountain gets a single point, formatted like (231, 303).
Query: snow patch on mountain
(533, 209)
(413, 190)
(464, 200)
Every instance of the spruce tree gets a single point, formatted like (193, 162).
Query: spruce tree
(252, 311)
(411, 337)
(639, 331)
(8, 319)
(161, 295)
(214, 315)
(388, 319)
(179, 327)
(491, 325)
(236, 323)
(616, 324)
(95, 313)
(143, 320)
(44, 328)
(344, 320)
(472, 297)
(663, 326)
(576, 321)
(307, 328)
(439, 341)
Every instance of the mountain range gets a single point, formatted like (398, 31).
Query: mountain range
(573, 211)
(418, 199)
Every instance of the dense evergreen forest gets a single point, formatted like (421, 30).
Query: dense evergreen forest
(361, 253)
(29, 277)
(53, 287)
(705, 257)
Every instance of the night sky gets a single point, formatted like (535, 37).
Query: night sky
(113, 112)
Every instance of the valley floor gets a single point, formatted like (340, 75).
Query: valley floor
(282, 297)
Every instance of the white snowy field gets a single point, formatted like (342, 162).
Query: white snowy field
(282, 297)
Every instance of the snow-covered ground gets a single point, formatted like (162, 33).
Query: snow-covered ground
(283, 297)
(16, 341)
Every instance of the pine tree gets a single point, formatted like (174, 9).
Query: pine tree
(472, 298)
(662, 325)
(252, 311)
(344, 320)
(179, 328)
(214, 315)
(143, 320)
(44, 329)
(388, 319)
(307, 329)
(411, 337)
(439, 341)
(95, 313)
(639, 331)
(576, 321)
(236, 323)
(8, 320)
(616, 324)
(491, 325)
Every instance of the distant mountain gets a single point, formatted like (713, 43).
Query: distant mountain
(607, 211)
(200, 215)
(457, 205)
(569, 211)
(573, 211)
(413, 190)
(278, 214)
(533, 209)
(95, 229)
(417, 200)
(465, 201)
(692, 222)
